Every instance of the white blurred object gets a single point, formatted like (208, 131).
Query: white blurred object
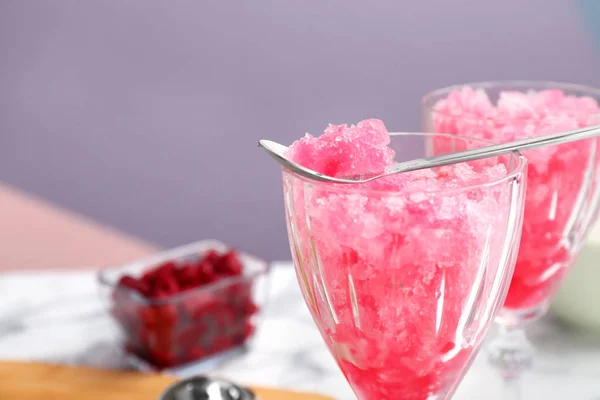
(578, 299)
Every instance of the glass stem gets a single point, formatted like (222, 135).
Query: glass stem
(512, 354)
(511, 389)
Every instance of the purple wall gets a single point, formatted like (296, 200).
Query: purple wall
(111, 108)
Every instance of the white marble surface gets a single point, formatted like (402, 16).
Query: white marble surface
(59, 317)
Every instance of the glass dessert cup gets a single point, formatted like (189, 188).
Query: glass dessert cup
(561, 202)
(404, 284)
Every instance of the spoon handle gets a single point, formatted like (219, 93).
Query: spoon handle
(495, 150)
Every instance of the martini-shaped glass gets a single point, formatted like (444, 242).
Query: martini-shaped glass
(562, 194)
(403, 284)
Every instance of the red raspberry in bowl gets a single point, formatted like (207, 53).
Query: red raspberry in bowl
(229, 264)
(206, 272)
(199, 304)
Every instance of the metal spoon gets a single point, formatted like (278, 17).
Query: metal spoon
(205, 388)
(277, 151)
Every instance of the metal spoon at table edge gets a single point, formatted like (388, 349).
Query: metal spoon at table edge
(277, 152)
(202, 387)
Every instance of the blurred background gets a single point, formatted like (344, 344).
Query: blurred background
(144, 114)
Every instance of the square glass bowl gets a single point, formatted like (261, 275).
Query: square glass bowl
(186, 307)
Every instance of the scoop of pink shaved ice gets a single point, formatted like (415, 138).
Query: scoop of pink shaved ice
(387, 267)
(345, 150)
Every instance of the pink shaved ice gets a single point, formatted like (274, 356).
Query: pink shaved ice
(387, 267)
(556, 174)
(345, 150)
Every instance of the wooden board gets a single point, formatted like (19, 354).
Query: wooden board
(58, 382)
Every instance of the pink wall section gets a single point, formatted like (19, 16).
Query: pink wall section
(37, 235)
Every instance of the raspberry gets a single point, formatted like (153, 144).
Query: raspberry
(165, 287)
(212, 257)
(196, 352)
(191, 335)
(225, 320)
(249, 309)
(163, 359)
(248, 330)
(200, 304)
(166, 315)
(206, 271)
(238, 293)
(129, 282)
(188, 276)
(166, 269)
(148, 317)
(221, 343)
(229, 264)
